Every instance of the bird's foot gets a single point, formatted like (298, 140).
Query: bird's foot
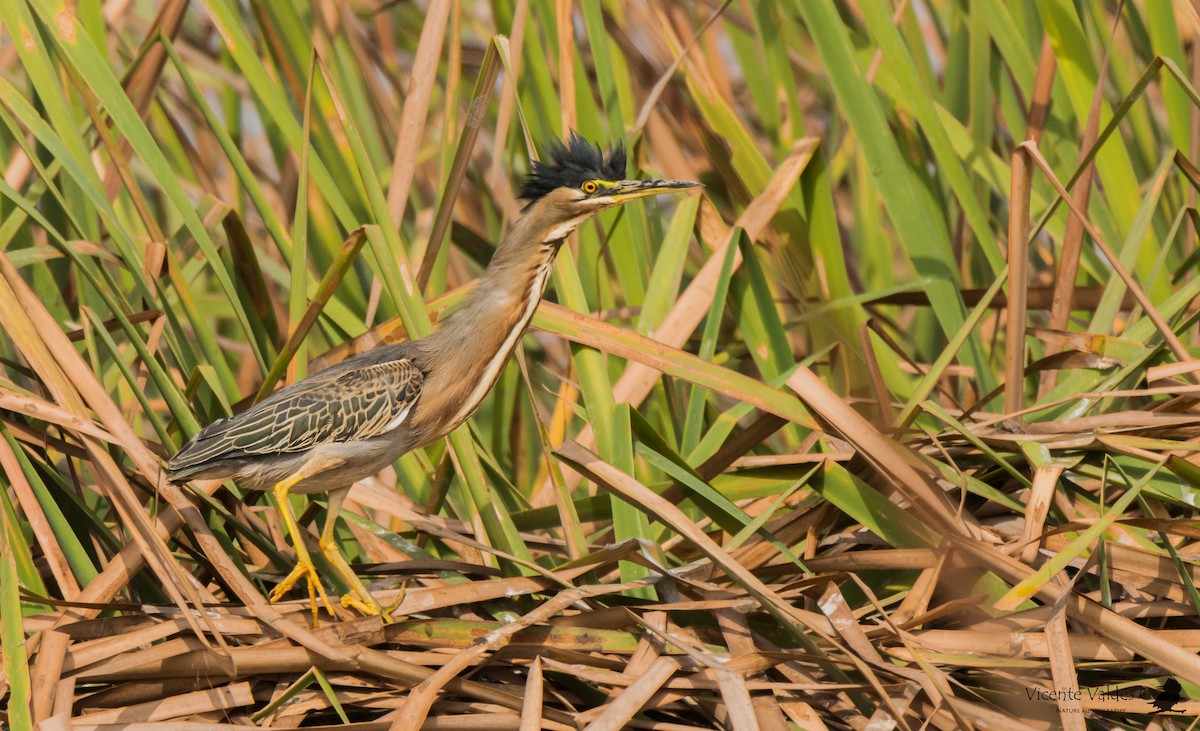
(304, 570)
(366, 603)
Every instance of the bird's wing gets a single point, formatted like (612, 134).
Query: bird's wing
(355, 404)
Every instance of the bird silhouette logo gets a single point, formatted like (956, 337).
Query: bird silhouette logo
(1170, 696)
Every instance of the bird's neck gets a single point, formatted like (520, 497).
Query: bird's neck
(507, 293)
(480, 336)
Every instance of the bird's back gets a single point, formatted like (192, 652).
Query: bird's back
(364, 398)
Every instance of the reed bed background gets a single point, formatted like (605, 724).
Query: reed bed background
(894, 426)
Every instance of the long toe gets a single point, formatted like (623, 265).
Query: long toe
(391, 608)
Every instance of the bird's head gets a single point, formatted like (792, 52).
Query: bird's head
(577, 181)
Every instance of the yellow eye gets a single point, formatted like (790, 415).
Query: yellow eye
(590, 187)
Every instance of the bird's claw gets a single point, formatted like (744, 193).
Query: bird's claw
(304, 570)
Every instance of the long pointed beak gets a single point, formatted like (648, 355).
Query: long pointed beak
(628, 190)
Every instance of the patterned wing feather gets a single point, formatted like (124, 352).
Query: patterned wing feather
(356, 404)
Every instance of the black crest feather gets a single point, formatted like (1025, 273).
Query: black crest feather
(572, 164)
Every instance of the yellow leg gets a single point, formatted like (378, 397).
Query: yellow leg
(304, 566)
(359, 598)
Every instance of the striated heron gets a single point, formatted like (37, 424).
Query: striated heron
(351, 420)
